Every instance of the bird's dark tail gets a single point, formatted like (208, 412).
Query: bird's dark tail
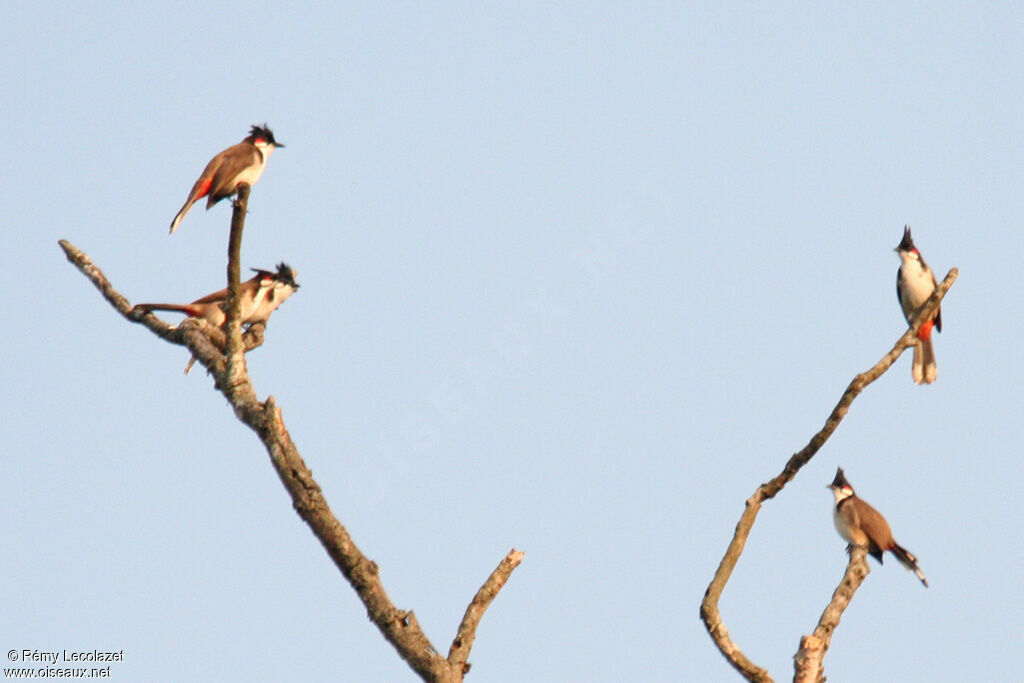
(180, 308)
(908, 560)
(181, 215)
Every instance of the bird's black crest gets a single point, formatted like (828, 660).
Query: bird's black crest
(257, 132)
(907, 243)
(840, 480)
(284, 274)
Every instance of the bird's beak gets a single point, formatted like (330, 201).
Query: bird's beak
(278, 144)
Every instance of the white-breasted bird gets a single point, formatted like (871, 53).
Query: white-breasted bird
(862, 525)
(260, 297)
(915, 283)
(241, 163)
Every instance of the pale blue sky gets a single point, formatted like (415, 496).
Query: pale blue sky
(575, 281)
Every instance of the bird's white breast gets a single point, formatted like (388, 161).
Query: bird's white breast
(918, 282)
(253, 172)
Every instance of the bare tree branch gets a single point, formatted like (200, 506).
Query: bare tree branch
(709, 605)
(459, 651)
(399, 627)
(205, 341)
(235, 375)
(808, 663)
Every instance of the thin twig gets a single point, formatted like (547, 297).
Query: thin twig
(709, 605)
(463, 642)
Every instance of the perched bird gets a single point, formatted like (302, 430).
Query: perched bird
(862, 525)
(915, 282)
(260, 296)
(241, 163)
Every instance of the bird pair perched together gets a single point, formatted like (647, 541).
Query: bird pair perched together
(856, 521)
(267, 290)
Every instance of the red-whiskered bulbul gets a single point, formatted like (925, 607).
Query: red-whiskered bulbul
(241, 163)
(260, 295)
(862, 525)
(915, 282)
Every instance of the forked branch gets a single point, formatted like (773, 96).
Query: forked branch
(399, 627)
(205, 341)
(709, 605)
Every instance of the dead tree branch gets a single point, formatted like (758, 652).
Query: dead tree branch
(235, 377)
(809, 660)
(459, 651)
(709, 605)
(205, 341)
(399, 627)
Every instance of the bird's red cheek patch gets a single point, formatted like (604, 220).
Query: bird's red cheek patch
(925, 333)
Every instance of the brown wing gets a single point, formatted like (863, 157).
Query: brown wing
(220, 295)
(875, 527)
(234, 160)
(938, 313)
